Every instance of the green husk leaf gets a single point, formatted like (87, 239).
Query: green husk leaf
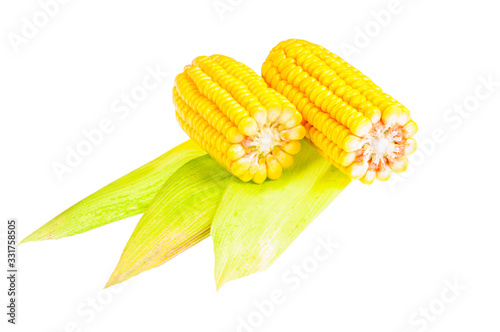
(254, 224)
(125, 197)
(179, 217)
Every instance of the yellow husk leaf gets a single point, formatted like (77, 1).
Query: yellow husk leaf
(254, 224)
(179, 217)
(123, 198)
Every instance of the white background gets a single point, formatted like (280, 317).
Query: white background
(399, 241)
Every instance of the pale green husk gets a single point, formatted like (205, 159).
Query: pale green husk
(186, 196)
(179, 217)
(254, 224)
(125, 197)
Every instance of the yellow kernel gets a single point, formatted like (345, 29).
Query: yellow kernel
(274, 169)
(248, 126)
(357, 170)
(384, 174)
(292, 147)
(411, 146)
(400, 165)
(369, 177)
(411, 128)
(235, 152)
(294, 121)
(295, 133)
(391, 115)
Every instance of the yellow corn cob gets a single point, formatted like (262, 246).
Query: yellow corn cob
(229, 110)
(360, 129)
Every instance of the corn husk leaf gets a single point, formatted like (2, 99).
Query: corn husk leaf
(125, 197)
(254, 224)
(179, 217)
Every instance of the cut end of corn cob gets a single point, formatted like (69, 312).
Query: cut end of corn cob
(247, 127)
(362, 130)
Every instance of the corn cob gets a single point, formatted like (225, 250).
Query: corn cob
(355, 125)
(247, 127)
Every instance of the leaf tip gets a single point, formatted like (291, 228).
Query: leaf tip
(219, 284)
(109, 283)
(29, 238)
(114, 280)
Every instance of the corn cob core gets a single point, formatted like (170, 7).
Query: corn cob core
(350, 120)
(229, 110)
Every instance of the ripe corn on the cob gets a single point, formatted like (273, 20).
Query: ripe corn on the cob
(360, 129)
(229, 110)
